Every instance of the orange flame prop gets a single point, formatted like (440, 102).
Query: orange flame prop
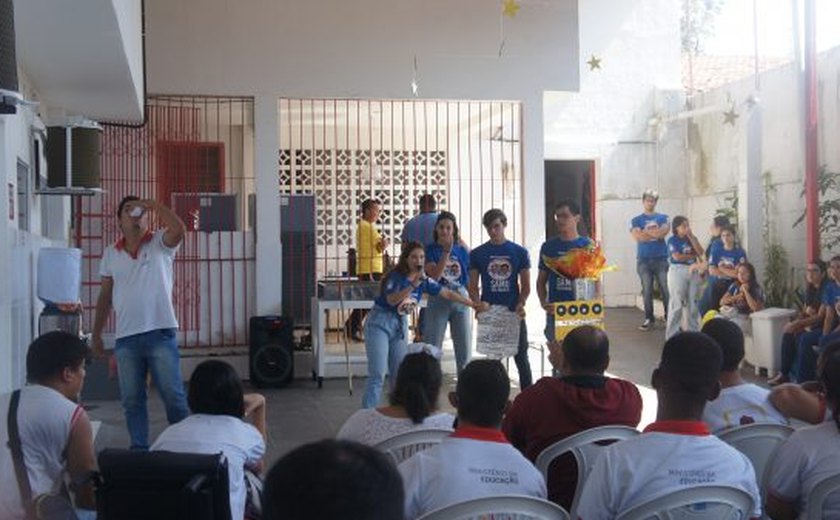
(581, 262)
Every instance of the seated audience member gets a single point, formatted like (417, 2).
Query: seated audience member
(476, 460)
(739, 402)
(677, 451)
(414, 403)
(724, 258)
(831, 302)
(743, 297)
(217, 424)
(557, 407)
(805, 330)
(333, 479)
(804, 402)
(810, 454)
(55, 432)
(707, 301)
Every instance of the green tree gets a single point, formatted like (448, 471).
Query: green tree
(697, 23)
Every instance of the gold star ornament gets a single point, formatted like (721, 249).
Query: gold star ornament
(510, 8)
(594, 62)
(730, 116)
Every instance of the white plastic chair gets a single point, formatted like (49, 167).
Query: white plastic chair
(515, 506)
(709, 503)
(816, 499)
(404, 445)
(759, 443)
(585, 450)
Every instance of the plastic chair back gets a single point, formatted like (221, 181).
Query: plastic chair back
(507, 506)
(135, 485)
(759, 443)
(816, 499)
(695, 503)
(404, 445)
(585, 448)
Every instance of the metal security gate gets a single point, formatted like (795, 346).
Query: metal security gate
(343, 151)
(194, 154)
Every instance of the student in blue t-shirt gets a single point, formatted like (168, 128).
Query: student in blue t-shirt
(715, 230)
(686, 257)
(649, 230)
(386, 326)
(448, 262)
(724, 259)
(504, 270)
(551, 286)
(831, 326)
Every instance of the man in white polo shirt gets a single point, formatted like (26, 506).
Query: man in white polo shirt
(137, 282)
(677, 451)
(476, 460)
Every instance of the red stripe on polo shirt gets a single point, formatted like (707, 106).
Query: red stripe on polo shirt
(479, 434)
(119, 245)
(679, 427)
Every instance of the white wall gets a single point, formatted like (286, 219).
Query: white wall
(19, 247)
(718, 151)
(364, 49)
(607, 121)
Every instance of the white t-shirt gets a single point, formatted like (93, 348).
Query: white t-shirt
(465, 466)
(369, 426)
(634, 471)
(45, 418)
(740, 405)
(809, 455)
(239, 441)
(142, 293)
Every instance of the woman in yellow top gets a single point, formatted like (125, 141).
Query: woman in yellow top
(369, 265)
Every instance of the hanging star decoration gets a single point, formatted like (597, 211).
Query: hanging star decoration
(594, 62)
(730, 116)
(510, 8)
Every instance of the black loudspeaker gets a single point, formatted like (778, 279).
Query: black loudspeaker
(272, 352)
(85, 152)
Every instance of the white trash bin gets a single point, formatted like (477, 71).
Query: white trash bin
(767, 327)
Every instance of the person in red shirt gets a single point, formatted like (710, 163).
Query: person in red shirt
(557, 407)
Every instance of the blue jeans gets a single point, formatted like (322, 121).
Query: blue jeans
(154, 352)
(441, 311)
(648, 268)
(806, 358)
(385, 333)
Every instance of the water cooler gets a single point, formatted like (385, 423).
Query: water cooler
(59, 282)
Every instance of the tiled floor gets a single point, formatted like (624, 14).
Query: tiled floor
(302, 412)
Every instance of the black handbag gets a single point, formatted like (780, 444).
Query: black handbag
(47, 506)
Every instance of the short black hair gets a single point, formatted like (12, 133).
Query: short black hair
(573, 206)
(369, 203)
(427, 201)
(678, 221)
(729, 338)
(491, 215)
(690, 366)
(333, 479)
(483, 389)
(419, 379)
(125, 200)
(446, 215)
(721, 221)
(586, 349)
(215, 389)
(51, 353)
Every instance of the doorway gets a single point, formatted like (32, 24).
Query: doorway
(573, 180)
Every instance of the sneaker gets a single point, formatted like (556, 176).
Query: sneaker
(647, 325)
